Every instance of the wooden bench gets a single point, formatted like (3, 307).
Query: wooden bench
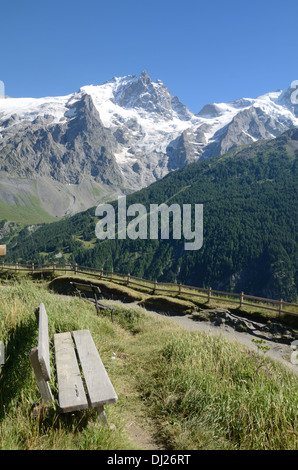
(88, 287)
(71, 383)
(2, 353)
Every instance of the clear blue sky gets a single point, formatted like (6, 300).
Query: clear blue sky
(203, 51)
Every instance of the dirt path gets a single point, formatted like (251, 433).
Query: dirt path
(142, 435)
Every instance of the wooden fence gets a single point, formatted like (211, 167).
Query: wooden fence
(240, 299)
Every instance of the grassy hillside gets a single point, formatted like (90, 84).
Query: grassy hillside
(45, 200)
(186, 390)
(26, 213)
(250, 226)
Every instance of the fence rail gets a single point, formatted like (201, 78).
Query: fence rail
(278, 306)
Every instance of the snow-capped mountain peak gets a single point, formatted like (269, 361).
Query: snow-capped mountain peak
(130, 131)
(140, 94)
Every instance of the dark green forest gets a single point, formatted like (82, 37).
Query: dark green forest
(250, 226)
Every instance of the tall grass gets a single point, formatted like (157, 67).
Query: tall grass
(210, 394)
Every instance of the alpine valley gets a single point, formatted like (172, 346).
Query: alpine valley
(249, 196)
(60, 157)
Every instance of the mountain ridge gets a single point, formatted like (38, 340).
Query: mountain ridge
(122, 136)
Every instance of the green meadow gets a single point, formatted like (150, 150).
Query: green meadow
(179, 389)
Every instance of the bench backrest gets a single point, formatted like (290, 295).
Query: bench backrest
(43, 342)
(40, 356)
(86, 287)
(2, 353)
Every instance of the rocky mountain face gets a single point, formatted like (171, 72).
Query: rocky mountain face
(116, 138)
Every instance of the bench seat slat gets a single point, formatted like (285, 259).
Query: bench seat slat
(100, 388)
(100, 304)
(72, 396)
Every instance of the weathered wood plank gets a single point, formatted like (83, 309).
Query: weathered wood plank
(43, 342)
(2, 353)
(43, 385)
(86, 287)
(72, 396)
(99, 386)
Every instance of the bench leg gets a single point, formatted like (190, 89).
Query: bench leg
(102, 417)
(96, 302)
(40, 410)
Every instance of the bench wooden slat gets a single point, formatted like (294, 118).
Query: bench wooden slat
(43, 342)
(2, 353)
(100, 304)
(100, 388)
(43, 385)
(86, 287)
(72, 396)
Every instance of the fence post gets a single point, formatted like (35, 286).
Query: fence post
(241, 299)
(32, 268)
(209, 294)
(179, 288)
(155, 286)
(280, 308)
(100, 273)
(76, 268)
(17, 267)
(128, 278)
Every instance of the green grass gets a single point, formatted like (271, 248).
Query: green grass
(193, 391)
(216, 397)
(30, 212)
